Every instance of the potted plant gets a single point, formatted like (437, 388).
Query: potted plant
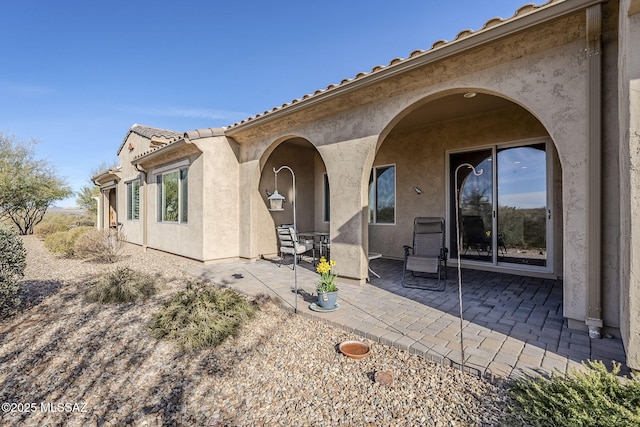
(326, 288)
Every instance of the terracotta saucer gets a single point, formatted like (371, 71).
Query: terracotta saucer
(354, 349)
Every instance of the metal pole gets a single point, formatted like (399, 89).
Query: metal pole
(459, 244)
(295, 243)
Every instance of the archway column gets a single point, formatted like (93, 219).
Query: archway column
(248, 207)
(348, 166)
(629, 107)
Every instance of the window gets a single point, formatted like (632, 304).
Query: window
(382, 195)
(133, 199)
(327, 199)
(173, 198)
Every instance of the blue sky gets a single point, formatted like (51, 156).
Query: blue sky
(77, 74)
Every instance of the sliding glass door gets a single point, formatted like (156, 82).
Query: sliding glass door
(475, 198)
(504, 214)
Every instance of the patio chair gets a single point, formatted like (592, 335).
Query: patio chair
(427, 256)
(475, 235)
(289, 244)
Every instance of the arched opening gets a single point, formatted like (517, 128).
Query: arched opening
(510, 216)
(312, 191)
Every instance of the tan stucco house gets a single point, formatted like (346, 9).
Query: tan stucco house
(546, 103)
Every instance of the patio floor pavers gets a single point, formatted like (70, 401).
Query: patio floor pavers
(512, 327)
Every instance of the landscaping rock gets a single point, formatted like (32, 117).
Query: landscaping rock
(384, 377)
(283, 369)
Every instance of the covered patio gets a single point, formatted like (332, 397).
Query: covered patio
(513, 325)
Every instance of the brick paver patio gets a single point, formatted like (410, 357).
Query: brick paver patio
(512, 326)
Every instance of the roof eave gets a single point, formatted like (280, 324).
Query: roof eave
(545, 13)
(105, 176)
(167, 153)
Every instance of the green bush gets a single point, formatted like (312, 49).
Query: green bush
(13, 261)
(202, 316)
(63, 242)
(99, 245)
(120, 286)
(595, 398)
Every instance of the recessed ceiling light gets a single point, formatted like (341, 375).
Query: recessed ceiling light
(470, 95)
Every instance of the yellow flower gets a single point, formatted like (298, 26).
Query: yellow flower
(323, 268)
(327, 276)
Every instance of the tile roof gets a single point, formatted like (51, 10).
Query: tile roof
(174, 137)
(149, 132)
(203, 133)
(490, 24)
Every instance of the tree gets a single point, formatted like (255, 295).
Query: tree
(28, 186)
(85, 197)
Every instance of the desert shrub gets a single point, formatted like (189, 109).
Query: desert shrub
(13, 261)
(42, 230)
(99, 245)
(202, 316)
(121, 285)
(63, 242)
(86, 222)
(593, 398)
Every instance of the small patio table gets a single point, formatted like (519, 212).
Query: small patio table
(322, 239)
(373, 255)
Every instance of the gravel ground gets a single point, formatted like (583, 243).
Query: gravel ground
(102, 362)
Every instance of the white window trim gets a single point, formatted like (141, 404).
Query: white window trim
(131, 178)
(175, 167)
(126, 186)
(169, 168)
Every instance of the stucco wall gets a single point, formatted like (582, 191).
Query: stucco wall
(219, 194)
(180, 239)
(629, 128)
(132, 229)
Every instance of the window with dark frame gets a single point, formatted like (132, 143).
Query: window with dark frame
(133, 200)
(382, 195)
(326, 216)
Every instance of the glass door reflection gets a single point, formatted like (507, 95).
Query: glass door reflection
(522, 205)
(476, 205)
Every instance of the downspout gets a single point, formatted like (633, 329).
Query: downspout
(594, 167)
(144, 204)
(98, 200)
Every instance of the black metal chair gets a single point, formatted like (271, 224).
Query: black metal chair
(427, 256)
(475, 235)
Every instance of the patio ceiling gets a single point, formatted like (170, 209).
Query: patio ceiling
(452, 107)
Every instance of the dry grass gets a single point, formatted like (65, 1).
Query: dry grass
(201, 316)
(122, 285)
